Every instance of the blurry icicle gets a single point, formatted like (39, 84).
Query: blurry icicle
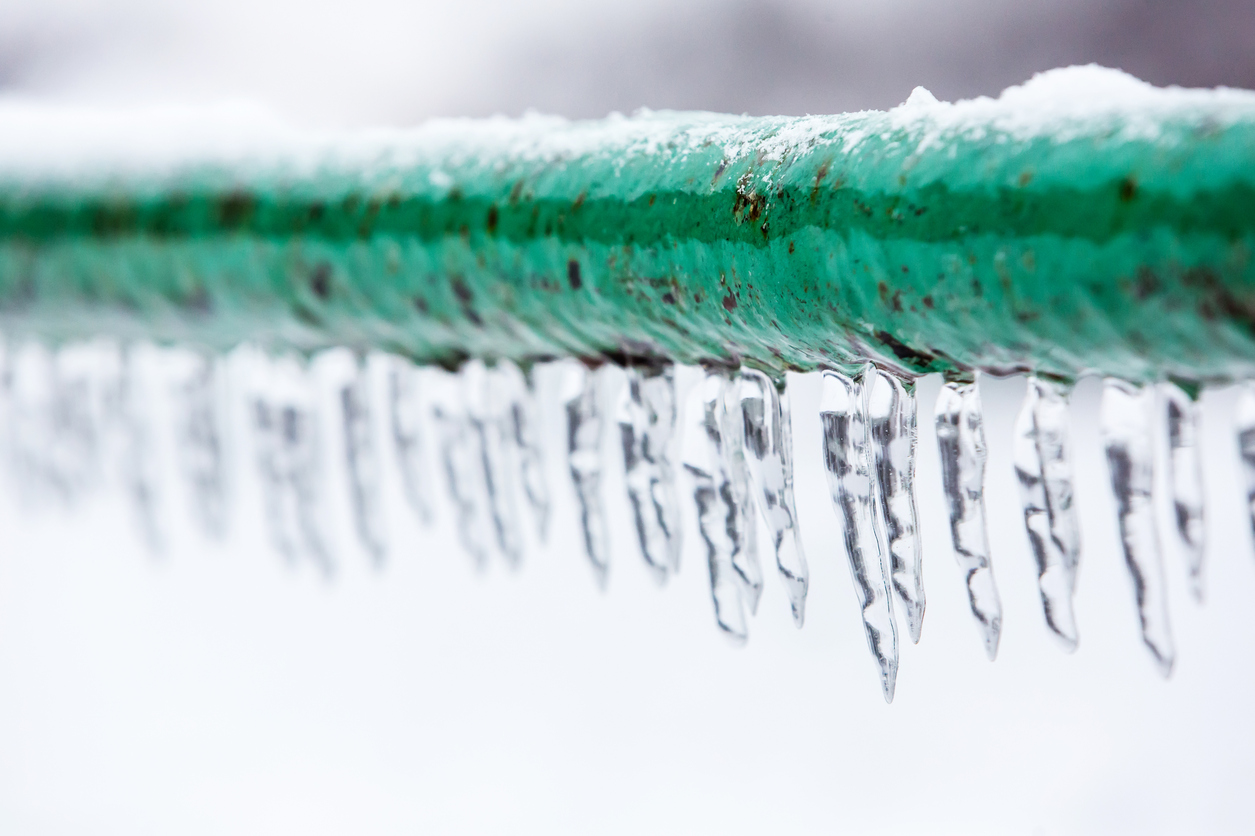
(891, 429)
(1185, 474)
(961, 440)
(405, 412)
(582, 404)
(523, 425)
(745, 557)
(1045, 476)
(769, 448)
(1246, 443)
(463, 463)
(362, 458)
(847, 463)
(646, 416)
(490, 395)
(1128, 438)
(200, 445)
(721, 516)
(286, 430)
(137, 463)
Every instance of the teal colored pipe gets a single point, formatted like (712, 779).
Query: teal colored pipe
(1082, 223)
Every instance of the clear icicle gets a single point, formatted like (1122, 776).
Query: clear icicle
(721, 516)
(582, 403)
(1245, 424)
(961, 441)
(646, 416)
(286, 431)
(769, 448)
(405, 411)
(745, 557)
(891, 427)
(362, 458)
(200, 444)
(1045, 476)
(136, 462)
(523, 425)
(847, 463)
(490, 395)
(1185, 475)
(463, 464)
(1128, 438)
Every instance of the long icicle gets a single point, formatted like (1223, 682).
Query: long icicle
(523, 426)
(891, 428)
(1185, 475)
(646, 417)
(362, 459)
(462, 463)
(585, 421)
(489, 403)
(1245, 426)
(749, 570)
(1129, 442)
(769, 448)
(1045, 476)
(961, 441)
(721, 513)
(201, 449)
(406, 417)
(847, 463)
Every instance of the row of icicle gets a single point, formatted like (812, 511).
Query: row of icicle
(734, 444)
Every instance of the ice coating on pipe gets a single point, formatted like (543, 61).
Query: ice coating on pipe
(721, 513)
(769, 452)
(646, 417)
(848, 466)
(891, 432)
(1185, 475)
(960, 428)
(405, 414)
(1129, 441)
(581, 401)
(1044, 472)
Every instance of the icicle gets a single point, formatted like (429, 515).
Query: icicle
(200, 443)
(405, 411)
(463, 464)
(646, 416)
(891, 427)
(1127, 436)
(582, 403)
(285, 425)
(1245, 424)
(1045, 476)
(136, 462)
(365, 478)
(745, 557)
(847, 462)
(721, 516)
(769, 445)
(961, 440)
(489, 404)
(1185, 474)
(523, 423)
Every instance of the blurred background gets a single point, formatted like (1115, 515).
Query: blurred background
(217, 689)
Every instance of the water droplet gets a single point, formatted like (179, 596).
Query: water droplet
(1128, 439)
(1045, 476)
(1185, 475)
(961, 441)
(581, 400)
(646, 416)
(891, 427)
(721, 511)
(365, 478)
(848, 465)
(769, 452)
(406, 414)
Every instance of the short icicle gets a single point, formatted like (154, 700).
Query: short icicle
(406, 417)
(1045, 477)
(891, 428)
(200, 448)
(749, 570)
(524, 424)
(581, 401)
(287, 438)
(721, 516)
(848, 465)
(1185, 475)
(961, 441)
(362, 458)
(1245, 426)
(137, 462)
(769, 451)
(488, 397)
(1128, 439)
(646, 416)
(462, 461)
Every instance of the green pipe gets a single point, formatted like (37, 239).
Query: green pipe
(1029, 233)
